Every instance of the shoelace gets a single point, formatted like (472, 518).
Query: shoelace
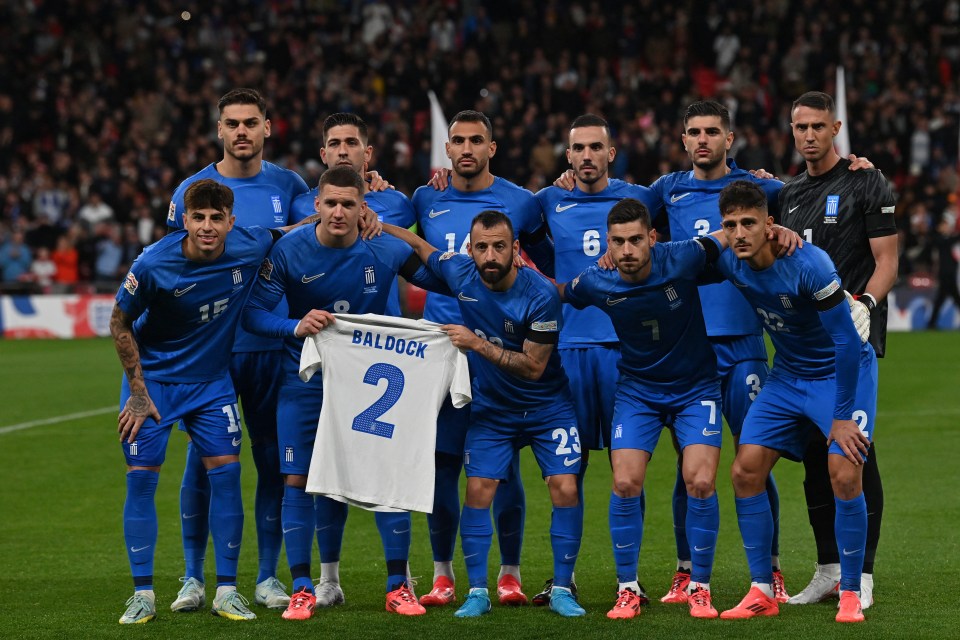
(678, 580)
(699, 598)
(624, 599)
(405, 595)
(230, 599)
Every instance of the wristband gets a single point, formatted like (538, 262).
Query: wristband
(868, 301)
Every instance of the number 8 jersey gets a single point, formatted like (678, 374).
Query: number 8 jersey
(384, 380)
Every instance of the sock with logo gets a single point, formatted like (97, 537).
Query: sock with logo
(297, 516)
(509, 512)
(626, 532)
(331, 517)
(267, 506)
(566, 531)
(194, 511)
(756, 529)
(394, 531)
(445, 519)
(703, 523)
(476, 537)
(140, 526)
(680, 511)
(851, 528)
(226, 520)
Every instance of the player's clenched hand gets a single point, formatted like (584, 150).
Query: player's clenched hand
(566, 181)
(440, 179)
(861, 317)
(787, 239)
(606, 261)
(313, 323)
(851, 440)
(461, 337)
(135, 412)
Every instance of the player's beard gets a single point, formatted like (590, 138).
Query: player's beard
(598, 173)
(708, 163)
(493, 277)
(633, 266)
(473, 172)
(252, 151)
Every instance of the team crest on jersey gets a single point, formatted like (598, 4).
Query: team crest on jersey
(172, 211)
(266, 269)
(288, 454)
(133, 448)
(672, 297)
(618, 432)
(369, 279)
(130, 283)
(785, 301)
(508, 325)
(237, 277)
(447, 255)
(833, 207)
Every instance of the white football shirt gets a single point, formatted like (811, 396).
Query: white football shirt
(384, 381)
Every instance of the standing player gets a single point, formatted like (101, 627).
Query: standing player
(511, 321)
(589, 347)
(323, 269)
(263, 195)
(444, 219)
(690, 199)
(668, 376)
(178, 306)
(818, 356)
(850, 216)
(345, 139)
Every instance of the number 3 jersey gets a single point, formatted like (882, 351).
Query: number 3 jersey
(186, 312)
(384, 381)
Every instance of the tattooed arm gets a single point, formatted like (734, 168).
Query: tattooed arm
(528, 364)
(139, 406)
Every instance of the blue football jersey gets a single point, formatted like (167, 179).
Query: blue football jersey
(263, 200)
(663, 340)
(693, 211)
(391, 206)
(186, 311)
(578, 224)
(444, 219)
(505, 318)
(355, 279)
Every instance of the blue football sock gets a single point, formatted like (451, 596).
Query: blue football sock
(580, 478)
(566, 530)
(703, 523)
(298, 520)
(140, 525)
(509, 511)
(394, 531)
(756, 529)
(851, 529)
(331, 520)
(626, 532)
(773, 495)
(226, 520)
(680, 516)
(266, 509)
(445, 519)
(476, 537)
(194, 512)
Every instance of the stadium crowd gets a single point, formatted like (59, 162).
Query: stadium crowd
(105, 107)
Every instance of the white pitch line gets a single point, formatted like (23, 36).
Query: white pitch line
(57, 419)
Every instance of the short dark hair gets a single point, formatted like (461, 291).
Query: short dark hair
(815, 100)
(707, 108)
(490, 219)
(469, 115)
(742, 194)
(590, 120)
(345, 119)
(243, 96)
(341, 177)
(629, 210)
(208, 194)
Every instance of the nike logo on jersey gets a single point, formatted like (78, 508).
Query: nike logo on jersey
(850, 553)
(613, 301)
(679, 196)
(460, 296)
(139, 549)
(308, 279)
(709, 433)
(179, 292)
(569, 206)
(567, 462)
(434, 214)
(232, 545)
(235, 442)
(792, 209)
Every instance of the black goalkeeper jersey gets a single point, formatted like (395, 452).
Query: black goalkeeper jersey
(839, 212)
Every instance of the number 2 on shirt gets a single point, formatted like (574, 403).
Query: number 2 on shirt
(366, 421)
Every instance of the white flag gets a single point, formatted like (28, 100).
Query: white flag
(842, 141)
(438, 136)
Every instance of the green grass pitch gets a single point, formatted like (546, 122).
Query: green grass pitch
(63, 571)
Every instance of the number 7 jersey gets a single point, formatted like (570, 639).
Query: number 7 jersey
(384, 381)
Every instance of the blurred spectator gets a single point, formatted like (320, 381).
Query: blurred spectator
(108, 266)
(67, 260)
(95, 210)
(946, 246)
(15, 258)
(42, 270)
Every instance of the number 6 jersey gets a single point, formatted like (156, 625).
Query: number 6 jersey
(384, 380)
